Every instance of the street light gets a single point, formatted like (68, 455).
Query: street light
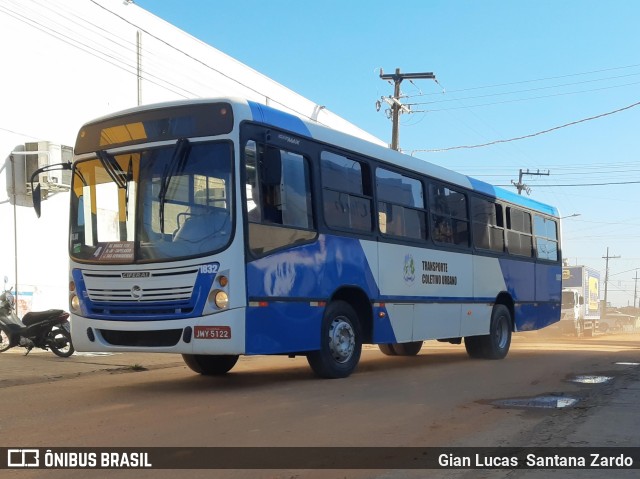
(570, 216)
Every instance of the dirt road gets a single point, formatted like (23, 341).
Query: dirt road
(439, 398)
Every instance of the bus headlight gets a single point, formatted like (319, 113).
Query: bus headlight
(219, 298)
(75, 303)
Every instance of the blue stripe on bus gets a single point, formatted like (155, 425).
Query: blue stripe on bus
(382, 328)
(502, 194)
(283, 327)
(291, 327)
(312, 270)
(277, 118)
(538, 306)
(315, 270)
(435, 299)
(532, 316)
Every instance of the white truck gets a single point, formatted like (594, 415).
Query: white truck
(580, 311)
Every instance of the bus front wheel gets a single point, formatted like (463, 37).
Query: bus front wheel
(494, 345)
(340, 342)
(210, 365)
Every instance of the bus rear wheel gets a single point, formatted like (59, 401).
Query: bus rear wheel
(210, 365)
(340, 342)
(408, 349)
(387, 349)
(494, 345)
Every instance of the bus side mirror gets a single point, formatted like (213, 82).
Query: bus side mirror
(36, 191)
(37, 200)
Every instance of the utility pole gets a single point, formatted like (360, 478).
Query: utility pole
(521, 186)
(606, 278)
(635, 291)
(396, 106)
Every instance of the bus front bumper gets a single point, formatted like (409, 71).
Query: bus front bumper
(220, 333)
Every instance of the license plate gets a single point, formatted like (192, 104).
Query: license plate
(212, 332)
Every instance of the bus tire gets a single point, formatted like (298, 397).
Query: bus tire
(473, 346)
(340, 342)
(494, 345)
(210, 365)
(407, 349)
(387, 349)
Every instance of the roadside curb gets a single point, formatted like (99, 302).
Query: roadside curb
(16, 369)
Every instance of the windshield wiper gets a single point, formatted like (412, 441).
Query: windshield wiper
(176, 166)
(112, 167)
(119, 177)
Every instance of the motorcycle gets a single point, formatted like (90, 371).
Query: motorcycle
(43, 329)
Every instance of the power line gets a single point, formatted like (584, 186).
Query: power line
(122, 63)
(527, 90)
(611, 174)
(539, 185)
(530, 135)
(18, 133)
(517, 100)
(101, 55)
(152, 59)
(188, 55)
(598, 168)
(530, 81)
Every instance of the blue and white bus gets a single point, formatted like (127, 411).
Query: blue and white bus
(218, 228)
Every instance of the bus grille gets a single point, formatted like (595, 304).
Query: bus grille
(161, 285)
(142, 294)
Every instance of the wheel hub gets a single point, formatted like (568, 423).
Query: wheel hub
(342, 340)
(502, 334)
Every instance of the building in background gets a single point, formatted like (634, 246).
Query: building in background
(74, 60)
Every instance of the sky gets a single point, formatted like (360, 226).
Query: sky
(565, 75)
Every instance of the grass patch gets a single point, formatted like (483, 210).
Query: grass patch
(137, 367)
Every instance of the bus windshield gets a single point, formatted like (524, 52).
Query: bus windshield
(162, 203)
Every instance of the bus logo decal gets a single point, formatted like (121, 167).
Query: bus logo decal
(136, 292)
(136, 274)
(409, 269)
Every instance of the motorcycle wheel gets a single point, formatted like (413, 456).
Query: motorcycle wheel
(59, 340)
(5, 338)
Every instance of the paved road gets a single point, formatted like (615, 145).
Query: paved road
(439, 398)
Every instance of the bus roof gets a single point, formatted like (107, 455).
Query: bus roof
(251, 110)
(265, 114)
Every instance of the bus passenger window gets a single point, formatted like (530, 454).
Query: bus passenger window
(488, 225)
(400, 205)
(546, 233)
(278, 189)
(519, 239)
(442, 231)
(346, 193)
(449, 217)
